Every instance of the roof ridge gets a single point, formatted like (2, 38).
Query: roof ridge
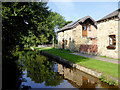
(70, 25)
(112, 14)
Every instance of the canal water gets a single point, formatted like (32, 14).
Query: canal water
(39, 71)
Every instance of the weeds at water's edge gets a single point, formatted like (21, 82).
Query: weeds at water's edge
(107, 80)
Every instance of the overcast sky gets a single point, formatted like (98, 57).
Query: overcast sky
(72, 11)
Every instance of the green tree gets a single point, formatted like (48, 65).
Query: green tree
(26, 23)
(18, 19)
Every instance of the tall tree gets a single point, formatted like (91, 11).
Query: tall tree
(20, 18)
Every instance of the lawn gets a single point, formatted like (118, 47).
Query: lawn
(101, 66)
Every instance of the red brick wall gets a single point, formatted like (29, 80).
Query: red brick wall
(89, 49)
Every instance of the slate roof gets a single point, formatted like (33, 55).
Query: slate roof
(113, 14)
(71, 25)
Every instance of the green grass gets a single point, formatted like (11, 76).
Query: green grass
(107, 57)
(101, 66)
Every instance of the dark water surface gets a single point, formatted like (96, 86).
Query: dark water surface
(42, 72)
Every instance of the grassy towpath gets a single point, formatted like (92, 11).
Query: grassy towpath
(101, 66)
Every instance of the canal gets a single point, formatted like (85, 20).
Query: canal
(39, 71)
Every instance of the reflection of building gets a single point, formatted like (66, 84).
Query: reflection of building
(68, 73)
(77, 78)
(80, 79)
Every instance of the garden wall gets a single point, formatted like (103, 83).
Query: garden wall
(93, 49)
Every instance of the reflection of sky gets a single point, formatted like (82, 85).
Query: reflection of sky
(64, 84)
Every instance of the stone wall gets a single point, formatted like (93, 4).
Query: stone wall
(105, 29)
(73, 38)
(68, 39)
(92, 32)
(60, 38)
(77, 38)
(91, 49)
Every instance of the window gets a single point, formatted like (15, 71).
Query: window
(83, 28)
(112, 42)
(112, 39)
(89, 28)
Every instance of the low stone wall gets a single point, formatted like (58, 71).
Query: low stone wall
(93, 49)
(79, 67)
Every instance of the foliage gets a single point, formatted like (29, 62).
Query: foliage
(20, 21)
(107, 80)
(43, 39)
(25, 24)
(18, 18)
(28, 23)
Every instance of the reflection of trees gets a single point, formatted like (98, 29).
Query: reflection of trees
(39, 69)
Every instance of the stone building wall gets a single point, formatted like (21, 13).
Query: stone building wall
(68, 39)
(92, 32)
(60, 37)
(105, 29)
(73, 38)
(79, 40)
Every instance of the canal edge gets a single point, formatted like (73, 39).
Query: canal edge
(82, 68)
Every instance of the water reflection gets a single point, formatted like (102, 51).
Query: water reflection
(81, 79)
(77, 77)
(42, 72)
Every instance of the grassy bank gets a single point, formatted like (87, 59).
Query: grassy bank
(101, 66)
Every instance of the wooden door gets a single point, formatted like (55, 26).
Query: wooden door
(84, 30)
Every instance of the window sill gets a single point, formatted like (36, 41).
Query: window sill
(111, 47)
(84, 36)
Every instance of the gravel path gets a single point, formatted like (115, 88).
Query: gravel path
(98, 58)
